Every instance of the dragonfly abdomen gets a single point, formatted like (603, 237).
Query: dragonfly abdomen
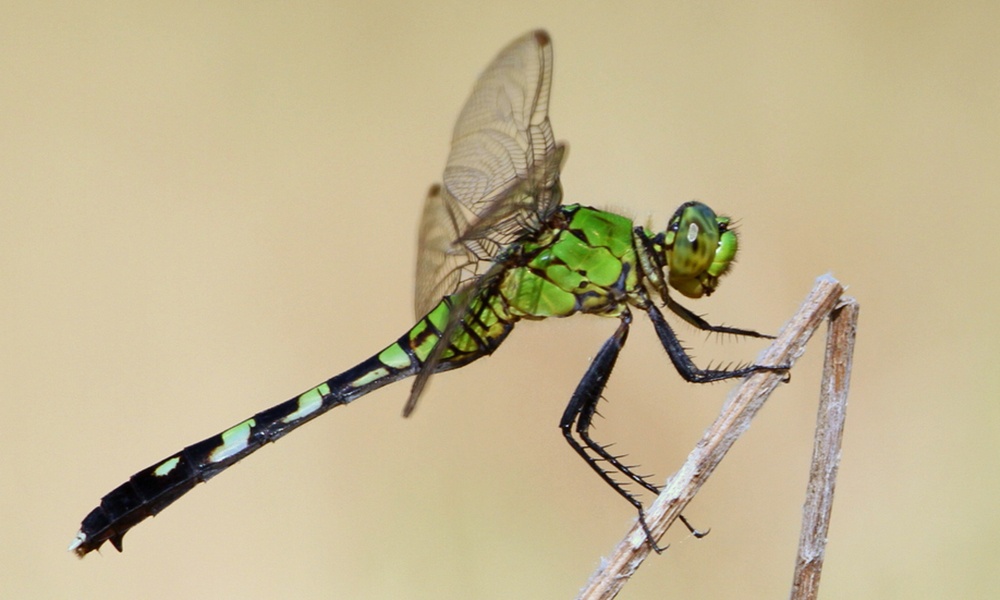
(151, 490)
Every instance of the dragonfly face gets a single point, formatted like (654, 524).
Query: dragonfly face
(698, 248)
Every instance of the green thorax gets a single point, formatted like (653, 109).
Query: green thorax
(583, 262)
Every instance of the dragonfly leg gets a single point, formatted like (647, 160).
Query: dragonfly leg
(695, 532)
(581, 410)
(683, 363)
(685, 313)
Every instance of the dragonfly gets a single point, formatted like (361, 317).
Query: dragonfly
(496, 246)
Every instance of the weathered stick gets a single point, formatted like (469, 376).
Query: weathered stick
(743, 404)
(826, 450)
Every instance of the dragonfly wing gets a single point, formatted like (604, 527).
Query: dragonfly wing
(503, 138)
(456, 246)
(501, 182)
(502, 175)
(442, 264)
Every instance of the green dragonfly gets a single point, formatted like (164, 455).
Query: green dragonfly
(496, 246)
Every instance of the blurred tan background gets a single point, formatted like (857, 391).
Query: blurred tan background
(206, 210)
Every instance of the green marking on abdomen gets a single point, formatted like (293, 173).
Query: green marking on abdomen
(439, 315)
(394, 356)
(308, 403)
(167, 466)
(234, 441)
(370, 376)
(423, 342)
(422, 339)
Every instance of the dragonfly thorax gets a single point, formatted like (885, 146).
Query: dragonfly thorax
(582, 262)
(698, 248)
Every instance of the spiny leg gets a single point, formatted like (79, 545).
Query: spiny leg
(686, 367)
(585, 411)
(685, 313)
(581, 409)
(683, 363)
(583, 405)
(583, 429)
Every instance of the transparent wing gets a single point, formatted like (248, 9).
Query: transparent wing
(442, 264)
(501, 182)
(502, 175)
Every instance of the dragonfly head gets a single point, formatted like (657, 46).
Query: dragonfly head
(699, 248)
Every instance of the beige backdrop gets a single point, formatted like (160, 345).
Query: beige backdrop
(208, 210)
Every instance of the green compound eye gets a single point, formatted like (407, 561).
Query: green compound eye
(726, 253)
(699, 249)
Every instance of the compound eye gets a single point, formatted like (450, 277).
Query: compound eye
(695, 242)
(700, 248)
(726, 253)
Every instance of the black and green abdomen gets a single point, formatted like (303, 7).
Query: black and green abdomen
(584, 262)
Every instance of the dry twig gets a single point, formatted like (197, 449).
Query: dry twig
(826, 450)
(735, 418)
